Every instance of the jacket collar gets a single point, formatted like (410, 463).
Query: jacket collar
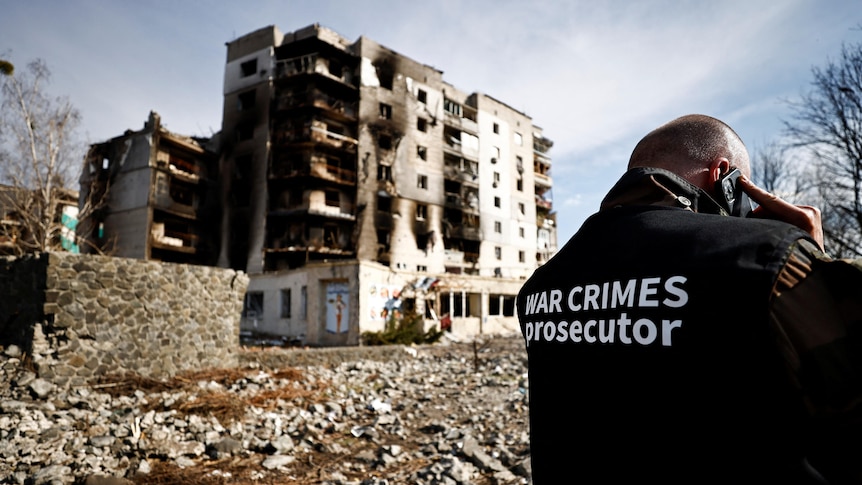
(659, 187)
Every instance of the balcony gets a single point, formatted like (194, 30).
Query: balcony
(541, 144)
(461, 231)
(453, 256)
(315, 132)
(468, 202)
(462, 123)
(318, 100)
(175, 196)
(462, 175)
(460, 143)
(310, 64)
(174, 240)
(543, 203)
(543, 179)
(320, 170)
(343, 213)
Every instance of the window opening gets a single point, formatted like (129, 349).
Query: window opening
(385, 111)
(248, 67)
(245, 101)
(333, 198)
(384, 141)
(452, 107)
(253, 305)
(384, 172)
(285, 303)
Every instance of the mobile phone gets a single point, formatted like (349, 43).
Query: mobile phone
(731, 196)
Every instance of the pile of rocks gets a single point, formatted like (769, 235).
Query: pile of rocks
(450, 413)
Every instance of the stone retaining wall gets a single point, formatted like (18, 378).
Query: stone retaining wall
(81, 316)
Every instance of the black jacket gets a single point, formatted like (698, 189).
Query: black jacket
(651, 353)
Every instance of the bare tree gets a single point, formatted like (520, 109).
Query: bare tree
(39, 154)
(827, 122)
(775, 169)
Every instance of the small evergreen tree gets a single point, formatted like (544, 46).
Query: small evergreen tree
(405, 330)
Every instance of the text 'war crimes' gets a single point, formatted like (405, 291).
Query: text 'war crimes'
(653, 292)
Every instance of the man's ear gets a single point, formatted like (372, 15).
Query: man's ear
(718, 167)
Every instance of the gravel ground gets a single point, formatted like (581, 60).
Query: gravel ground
(450, 413)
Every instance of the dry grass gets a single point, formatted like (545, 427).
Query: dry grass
(237, 471)
(224, 406)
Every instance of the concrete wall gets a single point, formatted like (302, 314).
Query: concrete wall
(371, 292)
(81, 316)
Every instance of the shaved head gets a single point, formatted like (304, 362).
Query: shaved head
(688, 146)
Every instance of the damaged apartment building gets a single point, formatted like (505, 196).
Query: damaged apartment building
(354, 184)
(154, 196)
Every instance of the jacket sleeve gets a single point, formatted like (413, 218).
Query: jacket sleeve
(816, 310)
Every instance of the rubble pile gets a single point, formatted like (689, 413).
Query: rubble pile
(450, 413)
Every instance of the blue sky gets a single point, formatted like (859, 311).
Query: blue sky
(595, 75)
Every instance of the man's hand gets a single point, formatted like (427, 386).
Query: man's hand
(771, 206)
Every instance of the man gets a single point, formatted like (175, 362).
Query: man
(669, 342)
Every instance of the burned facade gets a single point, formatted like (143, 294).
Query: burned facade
(155, 197)
(349, 168)
(351, 183)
